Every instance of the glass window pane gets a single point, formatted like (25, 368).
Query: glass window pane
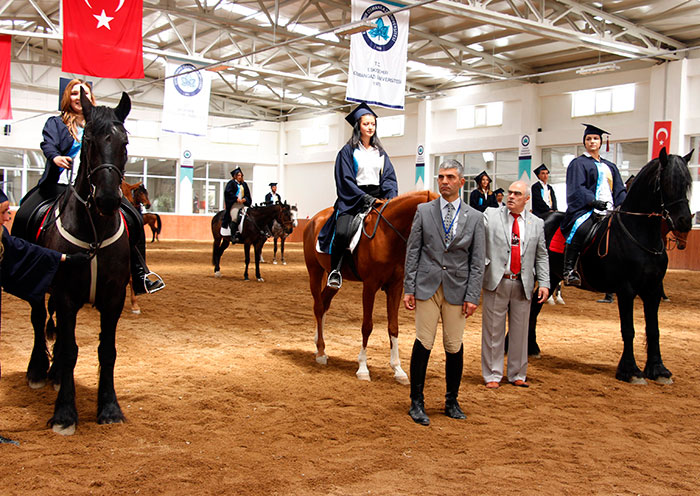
(11, 179)
(199, 204)
(494, 114)
(135, 165)
(36, 160)
(220, 170)
(583, 103)
(603, 101)
(200, 169)
(161, 167)
(161, 191)
(465, 117)
(214, 197)
(631, 157)
(623, 98)
(12, 158)
(480, 115)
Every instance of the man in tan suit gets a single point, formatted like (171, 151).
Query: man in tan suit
(516, 256)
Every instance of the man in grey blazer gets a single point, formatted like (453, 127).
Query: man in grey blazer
(509, 281)
(444, 269)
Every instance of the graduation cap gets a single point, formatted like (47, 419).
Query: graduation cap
(354, 116)
(541, 168)
(236, 171)
(591, 129)
(499, 191)
(3, 197)
(479, 176)
(273, 184)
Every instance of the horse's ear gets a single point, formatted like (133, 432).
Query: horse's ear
(663, 157)
(123, 108)
(86, 104)
(688, 157)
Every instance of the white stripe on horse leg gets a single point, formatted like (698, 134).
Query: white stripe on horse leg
(362, 371)
(395, 362)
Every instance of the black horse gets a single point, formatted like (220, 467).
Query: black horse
(86, 217)
(628, 257)
(255, 231)
(281, 233)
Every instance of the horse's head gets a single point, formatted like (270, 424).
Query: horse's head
(141, 196)
(674, 183)
(103, 154)
(286, 218)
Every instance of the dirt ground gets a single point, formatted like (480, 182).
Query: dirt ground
(222, 394)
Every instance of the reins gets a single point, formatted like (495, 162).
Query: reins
(376, 225)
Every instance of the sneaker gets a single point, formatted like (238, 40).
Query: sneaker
(335, 280)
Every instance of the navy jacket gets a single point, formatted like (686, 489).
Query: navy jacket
(581, 183)
(230, 194)
(539, 206)
(57, 142)
(27, 269)
(476, 200)
(349, 193)
(268, 198)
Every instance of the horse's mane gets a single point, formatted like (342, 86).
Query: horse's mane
(646, 180)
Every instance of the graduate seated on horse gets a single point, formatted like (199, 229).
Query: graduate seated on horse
(363, 174)
(63, 136)
(593, 186)
(236, 196)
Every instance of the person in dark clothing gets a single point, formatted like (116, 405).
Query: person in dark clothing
(482, 197)
(272, 197)
(543, 198)
(62, 141)
(593, 186)
(236, 196)
(499, 195)
(363, 174)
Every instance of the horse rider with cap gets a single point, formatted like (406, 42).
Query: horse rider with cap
(273, 197)
(482, 197)
(543, 198)
(593, 186)
(236, 196)
(363, 174)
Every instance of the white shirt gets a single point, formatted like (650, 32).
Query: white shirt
(455, 216)
(546, 195)
(603, 189)
(369, 165)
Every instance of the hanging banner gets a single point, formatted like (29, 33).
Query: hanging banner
(377, 72)
(420, 168)
(5, 56)
(524, 157)
(662, 138)
(186, 99)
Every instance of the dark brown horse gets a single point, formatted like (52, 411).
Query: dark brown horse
(137, 195)
(379, 259)
(255, 231)
(153, 221)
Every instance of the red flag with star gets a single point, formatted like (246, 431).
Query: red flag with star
(103, 38)
(5, 56)
(662, 138)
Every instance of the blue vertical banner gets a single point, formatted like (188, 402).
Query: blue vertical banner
(524, 157)
(420, 168)
(377, 71)
(186, 180)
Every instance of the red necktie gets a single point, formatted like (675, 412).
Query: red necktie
(515, 246)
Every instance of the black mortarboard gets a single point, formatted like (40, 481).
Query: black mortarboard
(236, 171)
(273, 184)
(3, 197)
(478, 177)
(541, 168)
(499, 190)
(358, 112)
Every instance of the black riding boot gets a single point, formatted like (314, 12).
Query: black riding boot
(454, 363)
(137, 243)
(571, 252)
(419, 365)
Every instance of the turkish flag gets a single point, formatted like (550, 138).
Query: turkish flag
(5, 54)
(103, 38)
(662, 138)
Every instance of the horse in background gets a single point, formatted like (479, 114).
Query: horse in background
(379, 263)
(255, 231)
(627, 256)
(279, 232)
(137, 195)
(153, 221)
(86, 217)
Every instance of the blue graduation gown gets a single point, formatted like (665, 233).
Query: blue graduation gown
(581, 184)
(27, 269)
(476, 200)
(350, 195)
(57, 142)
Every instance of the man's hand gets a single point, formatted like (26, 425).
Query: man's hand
(240, 200)
(409, 301)
(542, 294)
(63, 162)
(468, 309)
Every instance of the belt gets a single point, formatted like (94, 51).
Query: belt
(512, 277)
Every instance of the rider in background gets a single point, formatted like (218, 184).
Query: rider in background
(593, 186)
(62, 142)
(363, 174)
(236, 196)
(273, 197)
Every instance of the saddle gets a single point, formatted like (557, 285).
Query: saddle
(36, 219)
(597, 233)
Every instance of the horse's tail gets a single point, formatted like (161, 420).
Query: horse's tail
(159, 224)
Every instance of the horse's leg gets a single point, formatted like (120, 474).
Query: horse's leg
(284, 262)
(369, 293)
(132, 298)
(246, 250)
(37, 370)
(257, 248)
(393, 302)
(274, 250)
(654, 368)
(322, 296)
(627, 369)
(220, 245)
(533, 348)
(108, 410)
(65, 415)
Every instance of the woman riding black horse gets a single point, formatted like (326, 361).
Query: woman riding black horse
(61, 146)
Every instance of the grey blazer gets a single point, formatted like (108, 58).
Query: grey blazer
(534, 260)
(459, 267)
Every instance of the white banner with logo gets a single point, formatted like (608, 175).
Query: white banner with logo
(377, 72)
(186, 99)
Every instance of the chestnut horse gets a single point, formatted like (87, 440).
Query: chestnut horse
(379, 260)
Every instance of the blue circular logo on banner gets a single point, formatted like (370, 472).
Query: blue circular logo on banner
(188, 84)
(383, 37)
(525, 141)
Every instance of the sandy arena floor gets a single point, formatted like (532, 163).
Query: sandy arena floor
(223, 396)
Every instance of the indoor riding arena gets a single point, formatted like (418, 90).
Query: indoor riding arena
(223, 395)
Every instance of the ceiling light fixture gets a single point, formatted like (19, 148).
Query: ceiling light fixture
(597, 69)
(355, 27)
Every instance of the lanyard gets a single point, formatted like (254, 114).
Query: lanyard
(449, 228)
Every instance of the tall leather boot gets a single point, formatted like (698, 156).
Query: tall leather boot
(454, 363)
(137, 243)
(419, 365)
(571, 252)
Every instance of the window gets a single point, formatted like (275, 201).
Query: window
(603, 100)
(484, 115)
(501, 166)
(389, 126)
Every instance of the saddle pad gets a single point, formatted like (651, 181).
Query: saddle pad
(356, 235)
(558, 242)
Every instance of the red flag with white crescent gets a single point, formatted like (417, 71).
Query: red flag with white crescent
(5, 55)
(662, 138)
(103, 38)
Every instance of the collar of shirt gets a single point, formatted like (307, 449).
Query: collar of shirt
(443, 205)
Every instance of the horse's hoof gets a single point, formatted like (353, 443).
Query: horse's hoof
(638, 380)
(36, 384)
(136, 311)
(403, 379)
(323, 360)
(363, 376)
(217, 274)
(663, 380)
(274, 262)
(284, 263)
(260, 279)
(64, 431)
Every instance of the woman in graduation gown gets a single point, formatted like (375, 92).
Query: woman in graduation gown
(482, 197)
(363, 174)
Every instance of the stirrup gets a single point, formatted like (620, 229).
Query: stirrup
(335, 280)
(572, 278)
(156, 285)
